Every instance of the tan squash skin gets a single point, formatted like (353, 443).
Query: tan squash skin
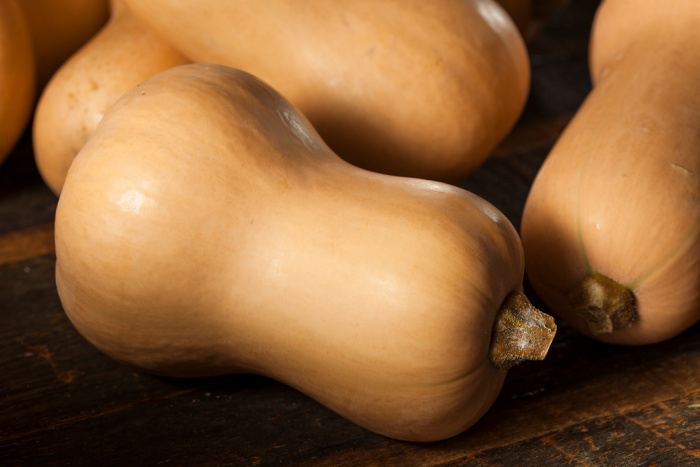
(618, 195)
(16, 75)
(121, 55)
(59, 28)
(206, 229)
(404, 87)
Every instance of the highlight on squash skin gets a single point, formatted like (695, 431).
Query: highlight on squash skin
(120, 55)
(521, 332)
(376, 296)
(414, 88)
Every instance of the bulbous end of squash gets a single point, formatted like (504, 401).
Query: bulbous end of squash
(604, 304)
(521, 332)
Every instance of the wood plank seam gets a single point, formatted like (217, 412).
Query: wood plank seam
(29, 243)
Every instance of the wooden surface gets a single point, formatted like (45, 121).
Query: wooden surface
(64, 403)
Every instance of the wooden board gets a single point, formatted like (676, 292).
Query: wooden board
(62, 402)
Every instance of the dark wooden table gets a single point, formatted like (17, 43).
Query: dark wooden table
(64, 403)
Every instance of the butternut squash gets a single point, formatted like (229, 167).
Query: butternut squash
(121, 55)
(206, 229)
(16, 75)
(59, 28)
(405, 87)
(611, 228)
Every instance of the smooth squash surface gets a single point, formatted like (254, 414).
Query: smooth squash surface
(611, 228)
(206, 229)
(404, 87)
(17, 75)
(121, 55)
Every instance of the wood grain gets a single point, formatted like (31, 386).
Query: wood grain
(20, 245)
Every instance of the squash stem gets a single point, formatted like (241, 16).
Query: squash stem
(604, 304)
(521, 332)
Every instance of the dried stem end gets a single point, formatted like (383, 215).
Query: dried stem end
(521, 332)
(604, 304)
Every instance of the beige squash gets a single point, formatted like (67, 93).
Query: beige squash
(611, 228)
(406, 87)
(17, 75)
(122, 54)
(206, 229)
(59, 28)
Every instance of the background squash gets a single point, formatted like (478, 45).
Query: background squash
(406, 87)
(121, 55)
(17, 75)
(59, 28)
(206, 228)
(611, 228)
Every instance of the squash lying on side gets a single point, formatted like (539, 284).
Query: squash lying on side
(59, 28)
(405, 87)
(611, 228)
(206, 229)
(121, 55)
(17, 75)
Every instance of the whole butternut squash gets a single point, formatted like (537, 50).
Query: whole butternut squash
(121, 55)
(611, 228)
(206, 229)
(59, 28)
(404, 87)
(17, 75)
